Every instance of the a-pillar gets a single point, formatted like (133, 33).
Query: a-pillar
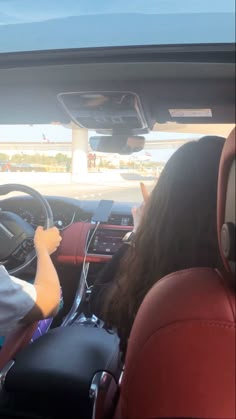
(79, 167)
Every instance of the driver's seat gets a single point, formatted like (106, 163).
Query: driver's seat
(180, 361)
(16, 341)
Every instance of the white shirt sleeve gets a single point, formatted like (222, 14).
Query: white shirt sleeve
(17, 298)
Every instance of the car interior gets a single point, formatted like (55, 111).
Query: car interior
(180, 361)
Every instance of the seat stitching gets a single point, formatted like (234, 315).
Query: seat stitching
(174, 325)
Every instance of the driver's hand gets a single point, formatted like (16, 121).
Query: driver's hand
(48, 240)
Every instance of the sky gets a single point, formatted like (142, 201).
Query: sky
(30, 25)
(58, 133)
(23, 11)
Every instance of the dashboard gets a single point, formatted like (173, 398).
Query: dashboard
(73, 219)
(66, 211)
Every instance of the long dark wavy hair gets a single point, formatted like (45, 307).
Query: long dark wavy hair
(178, 231)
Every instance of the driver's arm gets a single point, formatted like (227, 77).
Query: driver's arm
(46, 282)
(21, 301)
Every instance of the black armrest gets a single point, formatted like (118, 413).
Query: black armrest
(60, 367)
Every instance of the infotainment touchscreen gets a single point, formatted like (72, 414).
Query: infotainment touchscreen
(105, 242)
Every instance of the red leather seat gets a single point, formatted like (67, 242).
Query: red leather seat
(180, 361)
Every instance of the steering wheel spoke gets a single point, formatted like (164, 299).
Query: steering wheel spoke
(24, 250)
(17, 234)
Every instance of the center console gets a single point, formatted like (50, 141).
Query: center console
(56, 375)
(94, 244)
(104, 242)
(100, 245)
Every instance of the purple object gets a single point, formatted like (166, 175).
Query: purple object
(43, 327)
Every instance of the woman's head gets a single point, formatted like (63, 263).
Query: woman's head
(180, 219)
(178, 228)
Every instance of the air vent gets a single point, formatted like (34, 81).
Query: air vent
(83, 216)
(114, 219)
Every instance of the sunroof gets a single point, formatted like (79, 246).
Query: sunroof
(30, 25)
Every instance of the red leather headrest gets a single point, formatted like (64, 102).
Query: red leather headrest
(227, 159)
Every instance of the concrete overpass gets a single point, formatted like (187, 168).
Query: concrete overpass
(53, 148)
(77, 149)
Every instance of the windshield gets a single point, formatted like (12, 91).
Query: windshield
(28, 25)
(57, 160)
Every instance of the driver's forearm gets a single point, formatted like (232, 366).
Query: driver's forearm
(47, 288)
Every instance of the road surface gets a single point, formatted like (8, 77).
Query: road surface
(109, 185)
(124, 192)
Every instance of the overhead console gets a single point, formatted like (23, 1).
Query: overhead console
(112, 111)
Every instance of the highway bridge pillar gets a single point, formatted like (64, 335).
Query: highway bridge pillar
(79, 165)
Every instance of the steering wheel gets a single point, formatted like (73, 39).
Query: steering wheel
(16, 234)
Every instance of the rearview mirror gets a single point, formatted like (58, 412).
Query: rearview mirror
(121, 144)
